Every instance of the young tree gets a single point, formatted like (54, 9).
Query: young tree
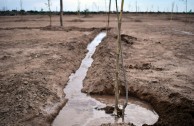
(171, 18)
(185, 5)
(21, 5)
(172, 10)
(109, 15)
(21, 9)
(129, 7)
(78, 7)
(86, 12)
(49, 9)
(177, 8)
(185, 8)
(61, 12)
(136, 6)
(5, 5)
(119, 56)
(152, 8)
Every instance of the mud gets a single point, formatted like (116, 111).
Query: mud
(118, 124)
(85, 110)
(146, 80)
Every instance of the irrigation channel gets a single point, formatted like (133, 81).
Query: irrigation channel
(80, 108)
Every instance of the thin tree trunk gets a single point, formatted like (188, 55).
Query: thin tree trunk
(136, 6)
(78, 8)
(121, 58)
(49, 7)
(172, 17)
(119, 18)
(186, 6)
(172, 11)
(61, 12)
(21, 9)
(108, 15)
(117, 65)
(186, 12)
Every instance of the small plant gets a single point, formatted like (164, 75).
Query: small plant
(86, 12)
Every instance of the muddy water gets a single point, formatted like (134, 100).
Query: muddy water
(80, 109)
(184, 32)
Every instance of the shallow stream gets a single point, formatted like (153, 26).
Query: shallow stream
(80, 108)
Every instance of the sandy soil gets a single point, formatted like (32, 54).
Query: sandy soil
(36, 61)
(35, 65)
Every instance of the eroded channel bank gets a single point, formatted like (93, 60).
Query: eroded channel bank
(34, 68)
(148, 78)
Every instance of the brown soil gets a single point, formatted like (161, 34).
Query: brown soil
(36, 61)
(35, 65)
(158, 65)
(77, 20)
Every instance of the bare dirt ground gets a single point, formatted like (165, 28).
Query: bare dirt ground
(36, 61)
(35, 65)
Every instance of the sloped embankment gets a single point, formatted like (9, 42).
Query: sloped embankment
(34, 70)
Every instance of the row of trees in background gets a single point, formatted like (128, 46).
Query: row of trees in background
(95, 8)
(119, 55)
(34, 12)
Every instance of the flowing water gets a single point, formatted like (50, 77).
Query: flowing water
(80, 108)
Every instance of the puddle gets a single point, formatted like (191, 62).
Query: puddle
(187, 33)
(80, 108)
(184, 32)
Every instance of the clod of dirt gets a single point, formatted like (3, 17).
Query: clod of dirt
(110, 110)
(143, 66)
(5, 57)
(137, 20)
(118, 124)
(76, 20)
(127, 39)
